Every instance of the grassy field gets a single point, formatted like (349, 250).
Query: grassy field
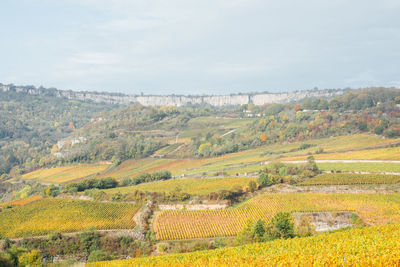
(374, 209)
(352, 178)
(370, 246)
(195, 186)
(65, 215)
(66, 173)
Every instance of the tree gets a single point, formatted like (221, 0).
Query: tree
(263, 138)
(204, 149)
(297, 107)
(281, 226)
(265, 179)
(258, 230)
(252, 186)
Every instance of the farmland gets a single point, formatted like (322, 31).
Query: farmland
(370, 246)
(352, 178)
(241, 162)
(65, 215)
(359, 166)
(21, 202)
(66, 173)
(253, 160)
(374, 209)
(199, 186)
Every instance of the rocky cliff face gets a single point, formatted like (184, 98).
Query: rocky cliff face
(173, 100)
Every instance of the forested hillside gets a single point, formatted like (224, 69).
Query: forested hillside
(136, 131)
(30, 125)
(43, 131)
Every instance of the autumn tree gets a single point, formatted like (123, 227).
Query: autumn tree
(263, 138)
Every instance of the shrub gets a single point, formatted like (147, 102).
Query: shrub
(265, 179)
(99, 255)
(32, 258)
(281, 226)
(252, 186)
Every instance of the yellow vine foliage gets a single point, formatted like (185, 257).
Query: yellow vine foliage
(65, 215)
(22, 202)
(352, 178)
(65, 173)
(200, 186)
(370, 246)
(374, 209)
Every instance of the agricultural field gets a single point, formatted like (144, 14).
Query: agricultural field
(65, 174)
(351, 179)
(65, 215)
(389, 153)
(253, 160)
(21, 202)
(193, 186)
(359, 166)
(373, 209)
(369, 246)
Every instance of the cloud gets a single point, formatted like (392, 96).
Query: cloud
(172, 46)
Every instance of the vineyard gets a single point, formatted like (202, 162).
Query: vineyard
(370, 246)
(66, 173)
(359, 166)
(21, 202)
(65, 215)
(352, 178)
(374, 209)
(250, 160)
(389, 153)
(199, 186)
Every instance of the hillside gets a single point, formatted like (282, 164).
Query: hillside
(133, 181)
(30, 125)
(375, 246)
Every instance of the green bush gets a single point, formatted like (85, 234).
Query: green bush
(281, 226)
(99, 255)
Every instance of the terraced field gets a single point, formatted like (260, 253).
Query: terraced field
(370, 246)
(252, 160)
(374, 209)
(390, 153)
(66, 173)
(195, 186)
(351, 179)
(65, 215)
(360, 166)
(21, 202)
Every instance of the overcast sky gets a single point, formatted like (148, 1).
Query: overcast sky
(200, 46)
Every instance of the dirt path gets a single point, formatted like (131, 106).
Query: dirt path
(231, 131)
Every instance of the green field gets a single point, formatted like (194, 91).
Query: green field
(195, 186)
(65, 215)
(352, 178)
(66, 173)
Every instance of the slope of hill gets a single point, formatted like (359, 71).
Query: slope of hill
(370, 246)
(31, 125)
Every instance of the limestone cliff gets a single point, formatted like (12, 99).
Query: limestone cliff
(173, 100)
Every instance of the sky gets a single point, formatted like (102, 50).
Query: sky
(200, 46)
